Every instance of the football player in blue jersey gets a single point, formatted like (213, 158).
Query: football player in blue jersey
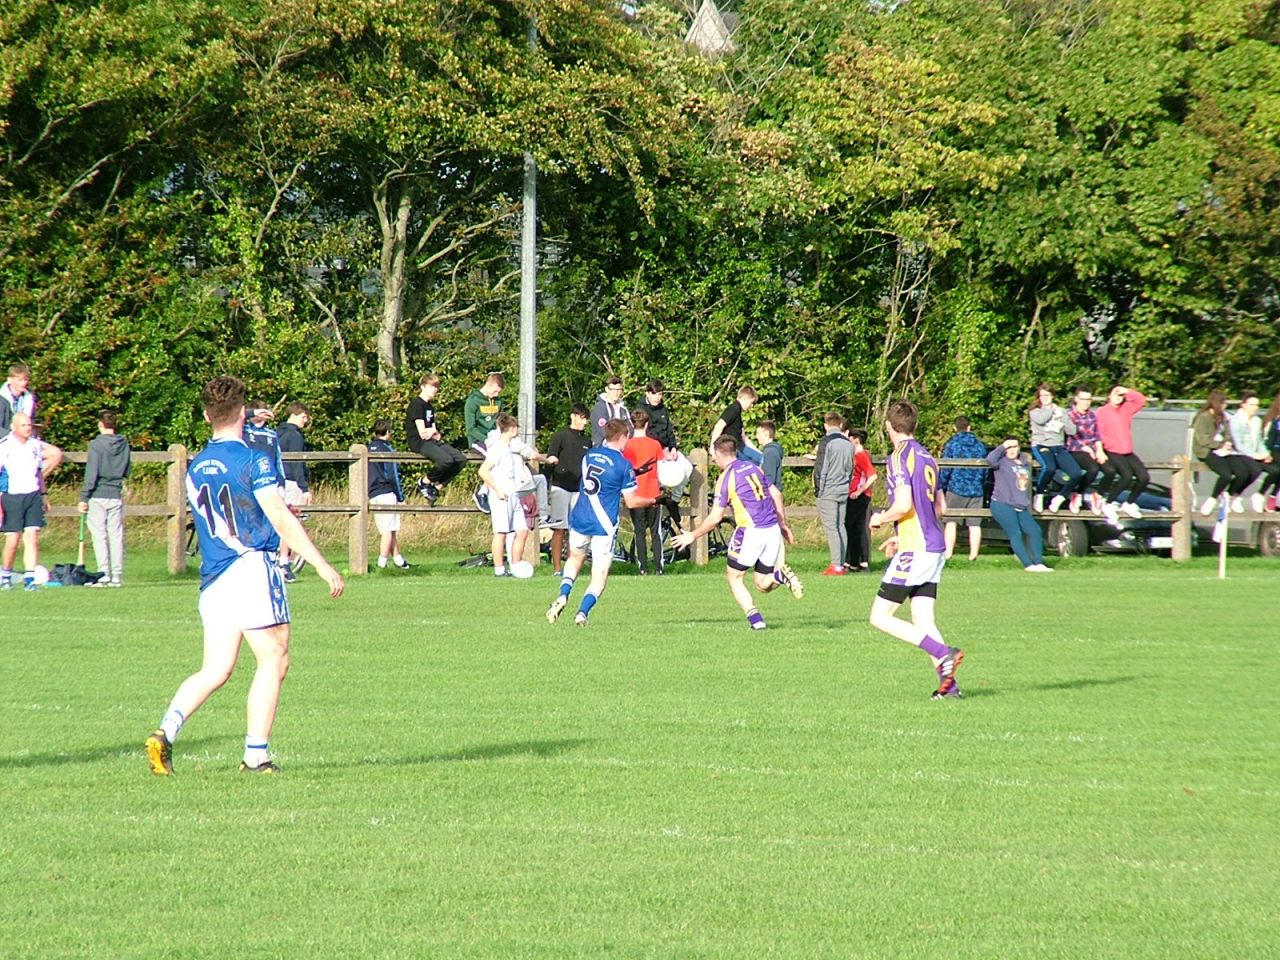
(241, 519)
(607, 480)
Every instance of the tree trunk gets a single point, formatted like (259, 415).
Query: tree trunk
(394, 269)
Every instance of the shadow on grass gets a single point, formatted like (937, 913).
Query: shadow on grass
(95, 754)
(1083, 683)
(491, 751)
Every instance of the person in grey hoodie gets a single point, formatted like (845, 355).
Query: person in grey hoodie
(102, 497)
(1011, 504)
(608, 406)
(1050, 427)
(832, 473)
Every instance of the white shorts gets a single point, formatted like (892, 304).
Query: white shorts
(911, 569)
(599, 546)
(292, 493)
(560, 502)
(755, 547)
(248, 595)
(507, 515)
(386, 522)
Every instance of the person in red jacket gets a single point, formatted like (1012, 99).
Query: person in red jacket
(644, 453)
(1115, 424)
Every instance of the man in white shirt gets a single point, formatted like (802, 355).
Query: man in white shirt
(25, 463)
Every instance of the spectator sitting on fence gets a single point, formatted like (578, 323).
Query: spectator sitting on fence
(1246, 436)
(102, 498)
(730, 424)
(386, 490)
(1050, 427)
(963, 485)
(480, 415)
(423, 436)
(1085, 447)
(1011, 504)
(1115, 424)
(1271, 433)
(1211, 445)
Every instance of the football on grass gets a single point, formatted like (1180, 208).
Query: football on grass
(522, 569)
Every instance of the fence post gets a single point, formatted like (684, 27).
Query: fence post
(698, 502)
(1181, 490)
(176, 499)
(358, 497)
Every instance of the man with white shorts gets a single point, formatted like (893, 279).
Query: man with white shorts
(762, 526)
(25, 464)
(241, 520)
(608, 480)
(385, 490)
(513, 508)
(917, 551)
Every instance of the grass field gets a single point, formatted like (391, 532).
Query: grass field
(462, 779)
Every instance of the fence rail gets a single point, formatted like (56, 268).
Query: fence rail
(358, 510)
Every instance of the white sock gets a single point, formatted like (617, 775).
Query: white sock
(255, 751)
(399, 559)
(382, 561)
(171, 724)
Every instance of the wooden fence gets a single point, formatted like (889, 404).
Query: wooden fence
(359, 511)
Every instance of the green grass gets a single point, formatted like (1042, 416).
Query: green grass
(464, 780)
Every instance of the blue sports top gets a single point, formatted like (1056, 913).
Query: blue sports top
(606, 475)
(266, 440)
(222, 483)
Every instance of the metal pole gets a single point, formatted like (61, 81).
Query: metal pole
(527, 409)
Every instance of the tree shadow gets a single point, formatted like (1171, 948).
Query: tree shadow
(131, 750)
(492, 751)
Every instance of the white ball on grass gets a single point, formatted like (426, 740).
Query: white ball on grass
(522, 569)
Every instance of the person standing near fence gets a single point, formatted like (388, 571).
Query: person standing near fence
(832, 473)
(16, 397)
(385, 490)
(858, 510)
(241, 520)
(1011, 504)
(963, 486)
(564, 454)
(102, 497)
(297, 485)
(644, 453)
(25, 465)
(609, 405)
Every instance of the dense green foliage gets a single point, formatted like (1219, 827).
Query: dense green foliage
(953, 199)
(665, 784)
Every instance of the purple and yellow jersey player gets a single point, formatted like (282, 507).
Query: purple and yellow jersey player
(762, 526)
(917, 550)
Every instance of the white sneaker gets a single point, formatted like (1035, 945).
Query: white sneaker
(1111, 513)
(1076, 500)
(1209, 505)
(1257, 501)
(1131, 510)
(1037, 502)
(1095, 504)
(1056, 503)
(1237, 505)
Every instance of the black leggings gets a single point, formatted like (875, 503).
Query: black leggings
(1092, 468)
(1131, 475)
(1234, 473)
